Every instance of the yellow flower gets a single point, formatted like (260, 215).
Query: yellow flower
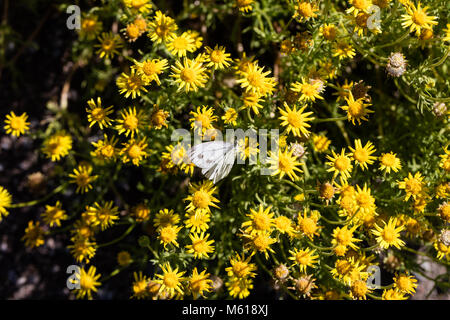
(413, 185)
(305, 10)
(82, 249)
(150, 69)
(141, 212)
(134, 151)
(261, 221)
(131, 121)
(255, 80)
(405, 283)
(340, 164)
(158, 118)
(359, 6)
(54, 214)
(5, 202)
(90, 26)
(161, 28)
(124, 258)
(131, 32)
(285, 164)
(356, 109)
(284, 225)
(259, 242)
(389, 234)
(295, 120)
(142, 6)
(393, 294)
(170, 280)
(416, 18)
(328, 31)
(239, 287)
(363, 155)
(251, 101)
(197, 221)
(343, 91)
(217, 57)
(189, 75)
(168, 235)
(241, 267)
(320, 143)
(202, 119)
(180, 45)
(344, 237)
(82, 178)
(445, 159)
(304, 258)
(165, 218)
(88, 282)
(364, 202)
(16, 125)
(34, 235)
(230, 116)
(57, 145)
(109, 45)
(343, 49)
(389, 161)
(199, 283)
(140, 286)
(443, 250)
(131, 84)
(97, 114)
(359, 289)
(201, 197)
(307, 224)
(444, 211)
(200, 246)
(310, 90)
(244, 5)
(105, 150)
(447, 33)
(104, 215)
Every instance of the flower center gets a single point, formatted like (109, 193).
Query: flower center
(355, 109)
(389, 235)
(388, 160)
(255, 79)
(131, 122)
(86, 282)
(171, 280)
(217, 56)
(200, 199)
(134, 152)
(342, 163)
(17, 123)
(187, 75)
(419, 17)
(295, 120)
(305, 9)
(98, 113)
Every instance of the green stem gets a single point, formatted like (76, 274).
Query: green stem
(130, 228)
(35, 202)
(330, 119)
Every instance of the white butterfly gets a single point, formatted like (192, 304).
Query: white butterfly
(216, 158)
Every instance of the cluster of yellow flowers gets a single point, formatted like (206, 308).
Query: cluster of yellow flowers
(326, 214)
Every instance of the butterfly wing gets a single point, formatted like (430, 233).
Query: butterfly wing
(206, 154)
(222, 167)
